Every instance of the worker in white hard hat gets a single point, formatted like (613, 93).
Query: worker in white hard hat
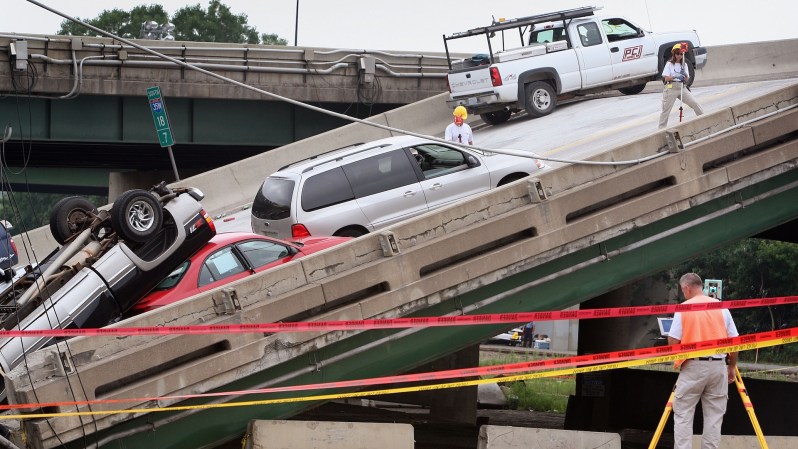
(676, 75)
(459, 131)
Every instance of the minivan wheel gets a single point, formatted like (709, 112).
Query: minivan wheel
(136, 215)
(350, 232)
(70, 216)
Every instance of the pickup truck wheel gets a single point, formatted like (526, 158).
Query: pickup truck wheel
(495, 118)
(136, 216)
(632, 90)
(540, 99)
(70, 216)
(691, 72)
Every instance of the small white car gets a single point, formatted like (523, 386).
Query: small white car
(358, 189)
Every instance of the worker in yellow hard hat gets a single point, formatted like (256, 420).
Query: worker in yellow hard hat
(459, 131)
(676, 75)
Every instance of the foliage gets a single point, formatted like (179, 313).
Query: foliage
(125, 24)
(272, 39)
(752, 268)
(192, 23)
(28, 211)
(217, 24)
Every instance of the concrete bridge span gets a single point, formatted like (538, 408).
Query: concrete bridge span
(509, 250)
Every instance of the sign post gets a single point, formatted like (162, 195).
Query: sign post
(158, 108)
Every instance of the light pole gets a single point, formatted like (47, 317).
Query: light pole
(296, 24)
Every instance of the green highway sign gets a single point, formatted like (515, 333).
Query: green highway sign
(158, 109)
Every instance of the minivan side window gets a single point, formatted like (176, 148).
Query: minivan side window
(325, 189)
(380, 173)
(437, 160)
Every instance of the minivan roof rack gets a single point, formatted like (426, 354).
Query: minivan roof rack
(529, 20)
(352, 145)
(307, 169)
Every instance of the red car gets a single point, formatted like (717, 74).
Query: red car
(227, 257)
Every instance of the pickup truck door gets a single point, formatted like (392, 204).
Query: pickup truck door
(633, 52)
(593, 54)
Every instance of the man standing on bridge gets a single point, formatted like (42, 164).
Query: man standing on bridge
(704, 378)
(459, 131)
(675, 74)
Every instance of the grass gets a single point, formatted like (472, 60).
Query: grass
(543, 395)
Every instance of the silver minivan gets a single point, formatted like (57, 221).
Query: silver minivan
(365, 187)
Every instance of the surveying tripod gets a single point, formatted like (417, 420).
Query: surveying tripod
(749, 407)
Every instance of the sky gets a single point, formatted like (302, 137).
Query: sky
(418, 25)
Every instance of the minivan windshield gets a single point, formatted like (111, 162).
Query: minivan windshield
(273, 201)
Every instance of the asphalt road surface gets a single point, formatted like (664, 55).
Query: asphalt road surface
(583, 127)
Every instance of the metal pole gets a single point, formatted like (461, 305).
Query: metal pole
(296, 24)
(174, 166)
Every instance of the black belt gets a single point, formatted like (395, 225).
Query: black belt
(708, 358)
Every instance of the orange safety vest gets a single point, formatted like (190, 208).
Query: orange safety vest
(701, 325)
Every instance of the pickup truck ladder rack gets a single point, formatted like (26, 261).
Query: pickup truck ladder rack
(529, 20)
(489, 30)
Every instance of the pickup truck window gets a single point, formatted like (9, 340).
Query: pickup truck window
(619, 29)
(547, 35)
(589, 34)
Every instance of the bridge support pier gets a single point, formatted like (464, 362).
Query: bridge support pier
(456, 405)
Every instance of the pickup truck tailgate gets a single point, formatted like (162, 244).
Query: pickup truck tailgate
(470, 81)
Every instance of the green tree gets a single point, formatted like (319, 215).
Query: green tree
(217, 24)
(192, 23)
(752, 268)
(121, 23)
(28, 210)
(272, 39)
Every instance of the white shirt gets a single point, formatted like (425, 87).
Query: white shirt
(461, 134)
(674, 68)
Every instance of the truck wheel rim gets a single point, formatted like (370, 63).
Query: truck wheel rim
(541, 99)
(140, 216)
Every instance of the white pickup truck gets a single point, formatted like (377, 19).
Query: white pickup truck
(565, 52)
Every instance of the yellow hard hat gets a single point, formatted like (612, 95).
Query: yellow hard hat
(461, 112)
(681, 47)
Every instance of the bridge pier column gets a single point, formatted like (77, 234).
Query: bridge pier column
(455, 404)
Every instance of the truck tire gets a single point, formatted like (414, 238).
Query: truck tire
(136, 216)
(540, 99)
(495, 118)
(70, 216)
(691, 71)
(632, 90)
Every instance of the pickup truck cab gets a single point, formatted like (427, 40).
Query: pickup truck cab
(565, 52)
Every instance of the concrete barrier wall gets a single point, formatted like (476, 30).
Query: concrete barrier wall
(505, 437)
(277, 434)
(750, 62)
(750, 441)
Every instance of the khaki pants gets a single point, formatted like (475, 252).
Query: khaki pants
(669, 96)
(708, 381)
